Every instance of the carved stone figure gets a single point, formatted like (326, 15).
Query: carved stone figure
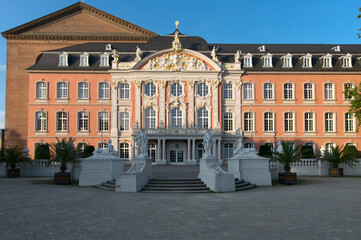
(142, 142)
(115, 55)
(239, 148)
(323, 151)
(207, 143)
(237, 56)
(161, 124)
(138, 54)
(213, 54)
(191, 124)
(218, 125)
(279, 146)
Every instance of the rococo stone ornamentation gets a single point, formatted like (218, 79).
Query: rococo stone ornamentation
(176, 62)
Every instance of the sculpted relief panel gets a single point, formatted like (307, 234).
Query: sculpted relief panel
(176, 62)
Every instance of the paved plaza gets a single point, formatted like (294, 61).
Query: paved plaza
(316, 208)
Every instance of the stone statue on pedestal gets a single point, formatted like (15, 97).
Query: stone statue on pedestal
(142, 142)
(207, 143)
(279, 146)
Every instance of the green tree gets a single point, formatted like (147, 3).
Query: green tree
(338, 155)
(13, 155)
(354, 94)
(288, 155)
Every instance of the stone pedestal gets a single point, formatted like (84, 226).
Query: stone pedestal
(97, 169)
(160, 162)
(234, 167)
(214, 176)
(255, 170)
(191, 162)
(136, 177)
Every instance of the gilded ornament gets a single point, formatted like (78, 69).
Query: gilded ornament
(138, 83)
(114, 84)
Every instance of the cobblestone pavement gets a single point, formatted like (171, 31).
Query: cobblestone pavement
(316, 208)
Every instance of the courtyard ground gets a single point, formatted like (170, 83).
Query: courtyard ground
(316, 208)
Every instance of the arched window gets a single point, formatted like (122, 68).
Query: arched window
(83, 90)
(124, 150)
(329, 122)
(309, 122)
(150, 118)
(124, 91)
(83, 121)
(149, 89)
(41, 90)
(62, 121)
(103, 119)
(202, 116)
(41, 121)
(227, 91)
(248, 122)
(202, 90)
(176, 89)
(124, 121)
(176, 115)
(349, 122)
(104, 90)
(269, 122)
(61, 90)
(228, 121)
(248, 91)
(289, 122)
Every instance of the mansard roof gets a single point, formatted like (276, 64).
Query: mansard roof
(225, 54)
(65, 24)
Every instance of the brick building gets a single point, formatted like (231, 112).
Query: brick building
(176, 86)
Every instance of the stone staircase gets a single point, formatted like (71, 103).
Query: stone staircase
(176, 185)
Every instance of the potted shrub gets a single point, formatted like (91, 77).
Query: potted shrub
(42, 151)
(88, 151)
(335, 157)
(12, 156)
(63, 152)
(286, 156)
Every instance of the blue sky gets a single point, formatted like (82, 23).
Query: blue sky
(228, 21)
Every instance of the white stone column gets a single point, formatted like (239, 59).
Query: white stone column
(215, 104)
(159, 160)
(214, 148)
(189, 150)
(138, 105)
(162, 103)
(114, 119)
(133, 148)
(191, 105)
(164, 159)
(219, 149)
(238, 101)
(193, 150)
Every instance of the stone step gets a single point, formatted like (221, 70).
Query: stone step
(176, 192)
(111, 182)
(105, 188)
(176, 179)
(248, 186)
(109, 185)
(242, 184)
(171, 189)
(175, 185)
(174, 182)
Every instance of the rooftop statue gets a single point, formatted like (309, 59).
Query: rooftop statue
(237, 56)
(138, 54)
(214, 55)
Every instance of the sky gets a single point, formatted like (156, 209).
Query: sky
(227, 21)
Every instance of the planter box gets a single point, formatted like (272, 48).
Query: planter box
(287, 178)
(13, 173)
(62, 178)
(335, 172)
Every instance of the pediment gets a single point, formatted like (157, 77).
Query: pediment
(80, 21)
(185, 60)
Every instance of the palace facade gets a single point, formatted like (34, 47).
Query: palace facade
(176, 86)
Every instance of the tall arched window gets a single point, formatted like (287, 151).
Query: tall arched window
(228, 121)
(176, 115)
(62, 90)
(83, 121)
(176, 89)
(62, 121)
(104, 90)
(202, 118)
(83, 90)
(124, 121)
(123, 90)
(269, 122)
(41, 121)
(103, 118)
(150, 118)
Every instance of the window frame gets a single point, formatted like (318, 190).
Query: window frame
(62, 90)
(176, 115)
(124, 121)
(267, 91)
(203, 118)
(39, 91)
(329, 94)
(176, 89)
(228, 150)
(124, 90)
(63, 59)
(247, 61)
(64, 122)
(82, 90)
(249, 121)
(150, 118)
(84, 60)
(101, 62)
(124, 150)
(330, 122)
(245, 96)
(103, 91)
(103, 121)
(227, 91)
(202, 89)
(43, 121)
(307, 125)
(228, 122)
(312, 89)
(269, 122)
(292, 90)
(350, 122)
(83, 121)
(150, 89)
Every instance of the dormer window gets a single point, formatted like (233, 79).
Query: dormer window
(307, 61)
(267, 60)
(247, 60)
(84, 60)
(287, 60)
(327, 61)
(346, 61)
(63, 59)
(104, 60)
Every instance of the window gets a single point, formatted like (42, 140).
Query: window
(308, 91)
(84, 60)
(41, 90)
(176, 120)
(202, 89)
(83, 121)
(307, 61)
(289, 122)
(268, 122)
(41, 121)
(348, 87)
(329, 91)
(347, 61)
(247, 60)
(80, 147)
(104, 90)
(267, 60)
(176, 89)
(62, 121)
(227, 91)
(152, 151)
(124, 121)
(248, 145)
(287, 61)
(103, 119)
(150, 118)
(288, 91)
(124, 150)
(349, 122)
(329, 147)
(309, 122)
(63, 59)
(248, 122)
(62, 90)
(268, 91)
(228, 121)
(103, 145)
(248, 91)
(150, 89)
(327, 61)
(202, 116)
(83, 90)
(329, 122)
(200, 151)
(228, 150)
(124, 91)
(104, 60)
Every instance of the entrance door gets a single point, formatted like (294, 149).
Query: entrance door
(176, 156)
